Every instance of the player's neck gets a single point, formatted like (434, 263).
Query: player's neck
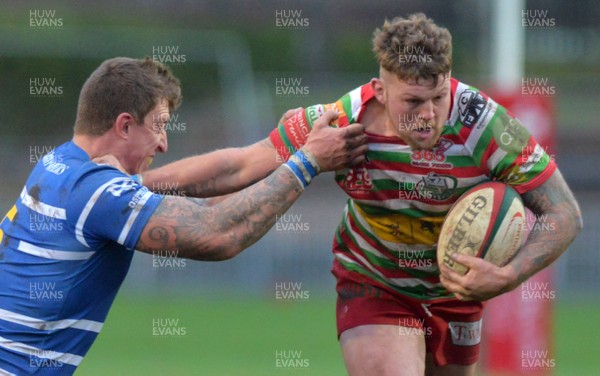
(94, 146)
(376, 121)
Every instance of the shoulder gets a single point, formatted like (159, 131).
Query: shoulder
(350, 106)
(92, 177)
(469, 105)
(472, 112)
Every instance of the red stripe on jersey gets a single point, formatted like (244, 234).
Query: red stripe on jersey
(489, 151)
(460, 172)
(387, 273)
(380, 139)
(410, 195)
(366, 94)
(537, 181)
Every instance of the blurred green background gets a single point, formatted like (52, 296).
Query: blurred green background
(231, 57)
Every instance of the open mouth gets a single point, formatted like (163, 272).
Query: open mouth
(424, 131)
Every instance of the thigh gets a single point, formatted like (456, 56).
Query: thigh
(383, 350)
(380, 334)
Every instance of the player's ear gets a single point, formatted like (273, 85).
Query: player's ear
(377, 85)
(122, 125)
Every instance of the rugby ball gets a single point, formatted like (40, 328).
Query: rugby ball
(487, 221)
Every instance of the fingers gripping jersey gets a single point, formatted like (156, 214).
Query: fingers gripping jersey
(290, 136)
(399, 197)
(65, 248)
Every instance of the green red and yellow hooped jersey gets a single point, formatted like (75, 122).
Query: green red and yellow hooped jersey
(399, 197)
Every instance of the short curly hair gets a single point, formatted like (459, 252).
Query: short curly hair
(413, 48)
(121, 85)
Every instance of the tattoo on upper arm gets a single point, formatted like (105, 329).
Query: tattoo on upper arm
(189, 227)
(553, 202)
(545, 197)
(159, 234)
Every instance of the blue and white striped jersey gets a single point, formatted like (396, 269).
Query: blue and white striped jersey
(65, 248)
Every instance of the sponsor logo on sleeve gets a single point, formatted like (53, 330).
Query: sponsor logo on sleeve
(138, 196)
(314, 112)
(471, 105)
(514, 138)
(118, 188)
(298, 129)
(52, 163)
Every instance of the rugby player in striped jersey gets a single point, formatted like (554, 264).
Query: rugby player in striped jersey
(431, 138)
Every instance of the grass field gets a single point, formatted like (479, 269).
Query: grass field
(226, 337)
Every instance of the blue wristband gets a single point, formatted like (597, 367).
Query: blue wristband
(303, 169)
(298, 173)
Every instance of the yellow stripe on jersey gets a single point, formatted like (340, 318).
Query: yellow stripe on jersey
(10, 215)
(400, 228)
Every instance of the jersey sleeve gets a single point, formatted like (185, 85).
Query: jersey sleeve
(108, 205)
(291, 135)
(511, 154)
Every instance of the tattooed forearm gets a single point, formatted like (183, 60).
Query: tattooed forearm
(206, 188)
(210, 190)
(217, 173)
(221, 231)
(558, 221)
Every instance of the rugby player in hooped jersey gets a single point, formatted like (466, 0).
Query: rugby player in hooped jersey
(58, 284)
(431, 138)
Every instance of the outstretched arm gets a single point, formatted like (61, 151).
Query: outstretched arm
(552, 202)
(219, 232)
(194, 230)
(219, 172)
(212, 175)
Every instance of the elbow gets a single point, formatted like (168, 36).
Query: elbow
(232, 246)
(571, 223)
(578, 220)
(230, 252)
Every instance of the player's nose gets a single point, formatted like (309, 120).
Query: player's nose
(427, 111)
